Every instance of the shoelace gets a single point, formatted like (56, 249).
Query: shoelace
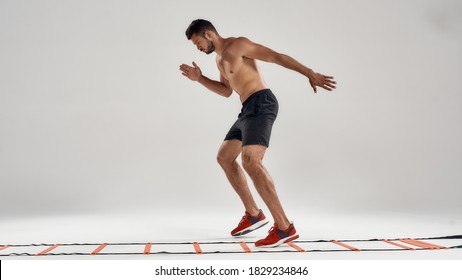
(243, 219)
(272, 230)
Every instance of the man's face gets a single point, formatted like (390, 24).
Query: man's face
(203, 44)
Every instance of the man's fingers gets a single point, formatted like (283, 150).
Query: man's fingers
(327, 85)
(195, 65)
(331, 85)
(328, 80)
(184, 70)
(326, 88)
(183, 67)
(322, 81)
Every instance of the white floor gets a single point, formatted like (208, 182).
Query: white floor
(195, 226)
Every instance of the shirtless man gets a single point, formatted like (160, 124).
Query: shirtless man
(250, 134)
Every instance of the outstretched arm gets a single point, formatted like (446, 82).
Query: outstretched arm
(194, 73)
(252, 50)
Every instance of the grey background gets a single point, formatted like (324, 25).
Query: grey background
(95, 115)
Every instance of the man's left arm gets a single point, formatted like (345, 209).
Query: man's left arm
(256, 51)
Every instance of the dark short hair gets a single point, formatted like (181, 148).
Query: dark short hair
(198, 27)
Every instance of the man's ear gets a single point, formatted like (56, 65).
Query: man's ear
(208, 35)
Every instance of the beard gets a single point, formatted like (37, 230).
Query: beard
(210, 47)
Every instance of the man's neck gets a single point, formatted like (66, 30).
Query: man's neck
(220, 45)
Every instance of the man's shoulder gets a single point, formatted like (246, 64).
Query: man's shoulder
(238, 43)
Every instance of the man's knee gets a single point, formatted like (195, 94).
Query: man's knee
(225, 159)
(228, 153)
(251, 163)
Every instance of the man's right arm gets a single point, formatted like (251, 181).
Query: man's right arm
(194, 73)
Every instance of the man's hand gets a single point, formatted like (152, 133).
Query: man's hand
(319, 80)
(193, 73)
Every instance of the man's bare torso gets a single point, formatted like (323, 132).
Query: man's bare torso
(241, 72)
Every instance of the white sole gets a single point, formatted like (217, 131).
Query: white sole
(282, 241)
(251, 228)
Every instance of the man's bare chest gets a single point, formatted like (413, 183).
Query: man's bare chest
(229, 64)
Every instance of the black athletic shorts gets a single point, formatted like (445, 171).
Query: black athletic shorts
(254, 123)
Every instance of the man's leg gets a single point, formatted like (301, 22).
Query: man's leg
(252, 157)
(229, 151)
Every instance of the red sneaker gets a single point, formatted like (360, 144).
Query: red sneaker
(249, 223)
(276, 236)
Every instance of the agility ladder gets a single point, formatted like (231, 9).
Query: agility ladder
(239, 247)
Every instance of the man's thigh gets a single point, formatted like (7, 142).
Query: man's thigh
(253, 152)
(230, 150)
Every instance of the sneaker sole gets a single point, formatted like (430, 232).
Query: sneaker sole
(284, 240)
(251, 228)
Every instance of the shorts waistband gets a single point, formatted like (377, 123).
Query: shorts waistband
(256, 94)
